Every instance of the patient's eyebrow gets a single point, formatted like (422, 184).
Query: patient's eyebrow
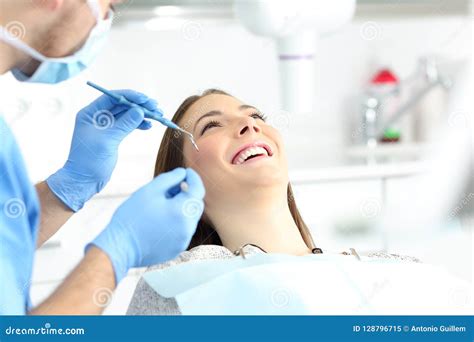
(211, 113)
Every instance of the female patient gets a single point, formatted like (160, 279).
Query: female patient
(249, 207)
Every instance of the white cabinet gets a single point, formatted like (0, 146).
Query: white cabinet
(62, 253)
(341, 214)
(57, 257)
(418, 228)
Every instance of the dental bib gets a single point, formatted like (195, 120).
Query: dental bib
(274, 284)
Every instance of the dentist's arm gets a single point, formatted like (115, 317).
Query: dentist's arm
(54, 213)
(149, 228)
(87, 290)
(100, 128)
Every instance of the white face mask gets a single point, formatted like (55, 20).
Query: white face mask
(55, 70)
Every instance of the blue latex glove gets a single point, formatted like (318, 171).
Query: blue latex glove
(99, 130)
(150, 227)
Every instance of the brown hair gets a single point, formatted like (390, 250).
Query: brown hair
(170, 156)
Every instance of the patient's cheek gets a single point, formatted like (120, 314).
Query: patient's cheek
(205, 158)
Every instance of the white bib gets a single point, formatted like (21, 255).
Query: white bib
(273, 284)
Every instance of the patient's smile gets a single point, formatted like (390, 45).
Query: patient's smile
(251, 153)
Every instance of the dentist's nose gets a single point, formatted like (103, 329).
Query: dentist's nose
(248, 125)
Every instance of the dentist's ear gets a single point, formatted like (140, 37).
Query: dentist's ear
(51, 5)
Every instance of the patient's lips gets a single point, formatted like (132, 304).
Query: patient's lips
(251, 152)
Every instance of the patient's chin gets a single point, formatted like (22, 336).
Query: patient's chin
(264, 176)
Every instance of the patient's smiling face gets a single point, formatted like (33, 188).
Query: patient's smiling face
(238, 150)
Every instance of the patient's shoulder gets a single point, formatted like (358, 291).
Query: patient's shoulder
(202, 252)
(146, 301)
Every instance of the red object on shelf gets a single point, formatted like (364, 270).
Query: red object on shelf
(384, 76)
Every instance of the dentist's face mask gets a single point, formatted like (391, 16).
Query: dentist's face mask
(55, 70)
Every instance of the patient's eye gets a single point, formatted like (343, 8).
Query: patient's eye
(259, 116)
(209, 125)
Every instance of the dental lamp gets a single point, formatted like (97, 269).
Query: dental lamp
(296, 26)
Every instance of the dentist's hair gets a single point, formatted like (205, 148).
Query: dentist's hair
(170, 156)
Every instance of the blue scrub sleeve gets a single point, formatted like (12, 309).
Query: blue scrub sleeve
(19, 221)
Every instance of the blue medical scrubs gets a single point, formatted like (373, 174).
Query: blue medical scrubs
(19, 221)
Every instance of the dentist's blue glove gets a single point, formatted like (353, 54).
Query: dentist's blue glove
(99, 130)
(150, 227)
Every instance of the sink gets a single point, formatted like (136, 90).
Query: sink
(388, 153)
(358, 162)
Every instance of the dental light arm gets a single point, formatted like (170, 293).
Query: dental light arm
(296, 26)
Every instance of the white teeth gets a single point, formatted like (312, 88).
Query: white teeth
(251, 151)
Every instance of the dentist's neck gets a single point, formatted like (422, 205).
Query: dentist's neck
(264, 220)
(12, 57)
(7, 61)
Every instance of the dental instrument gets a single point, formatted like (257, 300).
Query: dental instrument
(148, 113)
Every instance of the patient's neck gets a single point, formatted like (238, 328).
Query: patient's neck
(263, 221)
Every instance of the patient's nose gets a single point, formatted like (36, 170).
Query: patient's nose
(248, 125)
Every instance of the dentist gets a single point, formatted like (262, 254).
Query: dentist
(48, 41)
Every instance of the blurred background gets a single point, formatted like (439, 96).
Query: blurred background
(383, 90)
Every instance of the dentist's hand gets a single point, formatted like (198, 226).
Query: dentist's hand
(99, 130)
(150, 228)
